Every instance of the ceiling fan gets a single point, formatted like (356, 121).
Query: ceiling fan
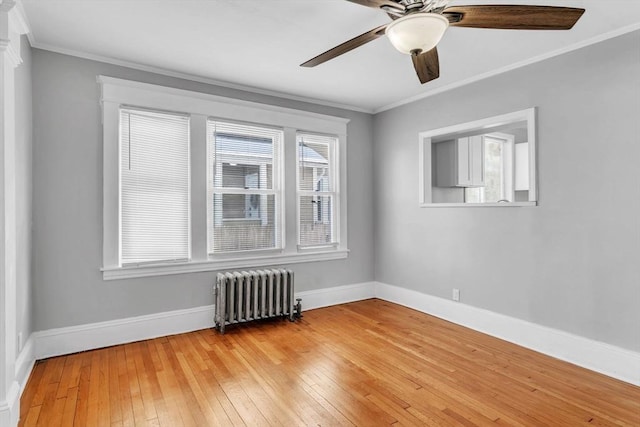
(418, 26)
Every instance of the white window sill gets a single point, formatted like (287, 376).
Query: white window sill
(115, 273)
(478, 205)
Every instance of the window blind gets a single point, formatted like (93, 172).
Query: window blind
(243, 187)
(317, 190)
(154, 187)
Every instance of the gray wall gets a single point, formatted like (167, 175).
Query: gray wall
(67, 184)
(571, 263)
(24, 192)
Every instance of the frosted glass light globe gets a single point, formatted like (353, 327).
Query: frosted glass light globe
(418, 31)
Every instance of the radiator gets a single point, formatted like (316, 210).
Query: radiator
(252, 295)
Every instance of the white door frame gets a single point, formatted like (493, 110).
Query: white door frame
(12, 26)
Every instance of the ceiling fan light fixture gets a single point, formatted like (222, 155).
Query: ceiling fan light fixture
(417, 32)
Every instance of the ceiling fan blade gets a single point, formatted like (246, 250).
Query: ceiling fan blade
(377, 4)
(427, 65)
(346, 46)
(515, 17)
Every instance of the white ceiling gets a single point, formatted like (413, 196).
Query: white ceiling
(260, 43)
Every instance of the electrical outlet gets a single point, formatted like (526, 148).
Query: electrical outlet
(456, 294)
(19, 342)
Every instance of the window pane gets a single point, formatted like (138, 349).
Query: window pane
(493, 176)
(474, 195)
(313, 163)
(154, 170)
(243, 157)
(496, 162)
(243, 222)
(240, 150)
(316, 213)
(316, 176)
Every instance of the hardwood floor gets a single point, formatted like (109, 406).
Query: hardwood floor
(367, 363)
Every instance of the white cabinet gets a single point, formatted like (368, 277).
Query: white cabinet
(522, 167)
(460, 162)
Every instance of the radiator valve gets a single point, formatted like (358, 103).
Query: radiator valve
(298, 308)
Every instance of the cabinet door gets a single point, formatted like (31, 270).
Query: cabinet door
(463, 162)
(446, 172)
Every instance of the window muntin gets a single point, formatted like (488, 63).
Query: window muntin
(154, 187)
(317, 190)
(243, 187)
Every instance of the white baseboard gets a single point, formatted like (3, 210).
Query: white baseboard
(56, 342)
(597, 356)
(337, 295)
(10, 408)
(25, 361)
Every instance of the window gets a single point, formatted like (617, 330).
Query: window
(154, 186)
(244, 187)
(316, 190)
(196, 182)
(498, 171)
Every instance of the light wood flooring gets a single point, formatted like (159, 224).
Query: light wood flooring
(369, 363)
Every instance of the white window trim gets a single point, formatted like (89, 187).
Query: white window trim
(118, 92)
(425, 139)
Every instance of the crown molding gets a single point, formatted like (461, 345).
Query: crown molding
(18, 19)
(194, 78)
(17, 25)
(558, 52)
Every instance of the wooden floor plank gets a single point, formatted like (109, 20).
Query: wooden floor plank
(124, 391)
(69, 410)
(202, 385)
(366, 363)
(170, 389)
(31, 389)
(47, 414)
(82, 403)
(139, 415)
(94, 389)
(50, 367)
(31, 418)
(282, 383)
